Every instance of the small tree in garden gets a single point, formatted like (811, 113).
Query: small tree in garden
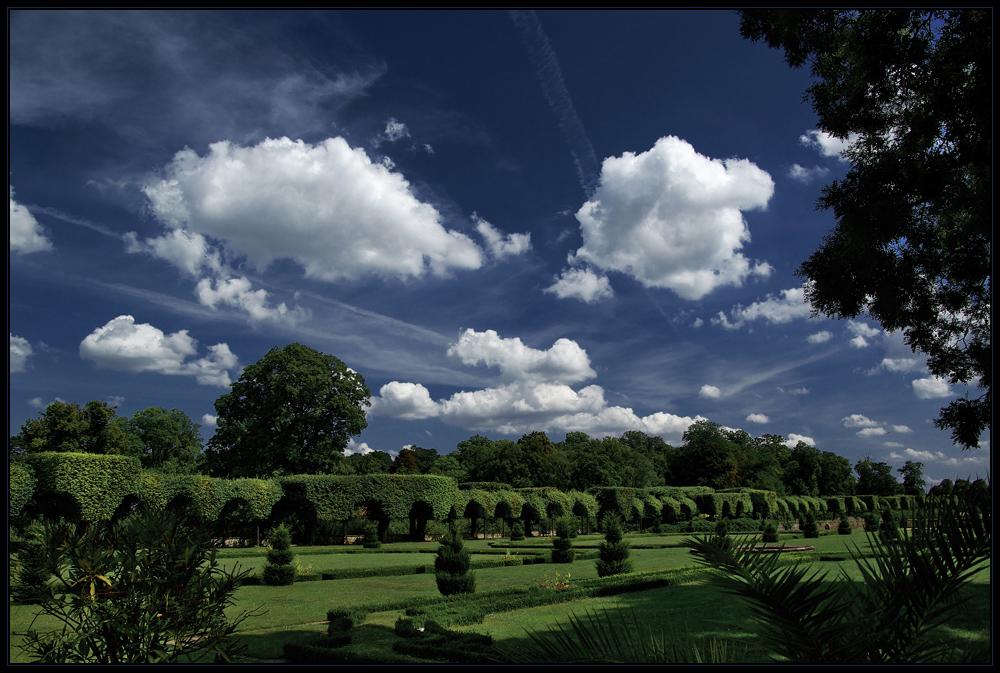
(770, 531)
(888, 528)
(280, 568)
(562, 551)
(452, 565)
(370, 532)
(845, 526)
(614, 551)
(809, 527)
(517, 532)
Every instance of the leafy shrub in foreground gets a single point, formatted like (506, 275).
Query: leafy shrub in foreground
(146, 589)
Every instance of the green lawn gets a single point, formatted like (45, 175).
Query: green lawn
(692, 611)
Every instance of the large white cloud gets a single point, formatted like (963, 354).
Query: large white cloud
(26, 235)
(792, 305)
(931, 387)
(124, 345)
(327, 206)
(582, 284)
(564, 362)
(671, 218)
(20, 351)
(536, 394)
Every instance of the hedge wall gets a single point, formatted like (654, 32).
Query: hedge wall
(97, 484)
(21, 486)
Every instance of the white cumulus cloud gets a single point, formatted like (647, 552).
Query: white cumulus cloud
(859, 421)
(501, 246)
(862, 332)
(819, 337)
(807, 175)
(671, 218)
(20, 351)
(582, 284)
(791, 305)
(327, 206)
(826, 144)
(758, 418)
(564, 362)
(124, 345)
(26, 235)
(931, 387)
(710, 391)
(536, 394)
(794, 439)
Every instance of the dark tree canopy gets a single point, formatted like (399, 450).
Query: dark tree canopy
(66, 427)
(912, 247)
(169, 441)
(290, 413)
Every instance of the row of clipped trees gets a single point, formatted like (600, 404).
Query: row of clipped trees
(100, 488)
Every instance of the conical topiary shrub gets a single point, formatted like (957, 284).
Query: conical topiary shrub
(452, 565)
(809, 527)
(613, 552)
(770, 532)
(517, 532)
(562, 551)
(845, 526)
(370, 532)
(280, 568)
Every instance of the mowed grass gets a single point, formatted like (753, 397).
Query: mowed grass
(692, 612)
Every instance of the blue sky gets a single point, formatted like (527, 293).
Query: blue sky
(506, 222)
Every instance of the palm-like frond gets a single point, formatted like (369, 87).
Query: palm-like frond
(910, 587)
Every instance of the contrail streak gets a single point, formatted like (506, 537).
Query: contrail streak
(550, 76)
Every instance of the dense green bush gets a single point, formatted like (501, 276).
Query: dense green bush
(517, 532)
(770, 532)
(613, 552)
(142, 590)
(844, 528)
(888, 527)
(809, 527)
(370, 532)
(280, 568)
(562, 551)
(452, 565)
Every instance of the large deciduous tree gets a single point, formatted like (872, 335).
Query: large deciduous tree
(290, 413)
(66, 427)
(911, 90)
(170, 441)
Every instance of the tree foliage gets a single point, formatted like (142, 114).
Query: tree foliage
(912, 92)
(70, 428)
(613, 552)
(911, 587)
(143, 590)
(290, 413)
(453, 565)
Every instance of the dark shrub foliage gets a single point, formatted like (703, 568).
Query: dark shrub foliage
(614, 550)
(452, 566)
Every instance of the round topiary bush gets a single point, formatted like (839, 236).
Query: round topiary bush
(845, 526)
(517, 532)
